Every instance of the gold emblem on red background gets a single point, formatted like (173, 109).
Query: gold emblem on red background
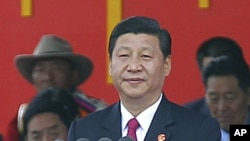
(161, 137)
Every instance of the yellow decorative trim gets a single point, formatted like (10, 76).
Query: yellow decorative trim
(204, 4)
(26, 8)
(114, 15)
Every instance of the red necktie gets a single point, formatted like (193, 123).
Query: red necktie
(132, 126)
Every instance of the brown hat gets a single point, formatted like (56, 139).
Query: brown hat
(53, 46)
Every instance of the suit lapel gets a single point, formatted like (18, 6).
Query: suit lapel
(112, 123)
(160, 124)
(162, 120)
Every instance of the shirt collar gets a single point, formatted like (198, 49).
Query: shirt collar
(143, 118)
(224, 135)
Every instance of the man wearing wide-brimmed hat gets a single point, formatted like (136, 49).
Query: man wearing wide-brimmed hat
(54, 64)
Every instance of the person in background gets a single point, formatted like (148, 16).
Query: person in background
(140, 60)
(49, 115)
(54, 64)
(227, 84)
(207, 51)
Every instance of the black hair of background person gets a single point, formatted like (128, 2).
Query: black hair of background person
(58, 101)
(1, 137)
(218, 46)
(226, 65)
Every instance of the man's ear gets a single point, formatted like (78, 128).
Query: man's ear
(167, 65)
(109, 68)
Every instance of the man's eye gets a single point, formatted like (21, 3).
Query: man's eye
(230, 96)
(123, 55)
(58, 67)
(38, 68)
(213, 98)
(36, 137)
(146, 56)
(54, 134)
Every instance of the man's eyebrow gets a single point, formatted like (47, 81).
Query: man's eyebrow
(53, 127)
(123, 47)
(35, 132)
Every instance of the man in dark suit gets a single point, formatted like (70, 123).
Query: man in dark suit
(140, 60)
(227, 83)
(207, 51)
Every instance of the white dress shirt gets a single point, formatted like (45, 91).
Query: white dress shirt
(144, 118)
(224, 135)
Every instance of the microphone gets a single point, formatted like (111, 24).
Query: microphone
(59, 140)
(104, 139)
(126, 138)
(82, 139)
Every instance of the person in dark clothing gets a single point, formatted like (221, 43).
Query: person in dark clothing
(207, 51)
(49, 115)
(54, 64)
(140, 60)
(227, 84)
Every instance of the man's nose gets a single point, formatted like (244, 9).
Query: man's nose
(134, 65)
(47, 75)
(222, 105)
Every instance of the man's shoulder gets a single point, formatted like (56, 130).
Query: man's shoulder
(180, 112)
(196, 103)
(178, 117)
(93, 103)
(199, 106)
(97, 116)
(186, 118)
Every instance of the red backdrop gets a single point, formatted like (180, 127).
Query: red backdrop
(83, 23)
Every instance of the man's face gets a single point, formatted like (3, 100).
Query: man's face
(52, 73)
(46, 127)
(137, 67)
(227, 102)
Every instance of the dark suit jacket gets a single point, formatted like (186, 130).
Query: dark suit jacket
(176, 122)
(199, 106)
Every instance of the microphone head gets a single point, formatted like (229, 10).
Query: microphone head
(59, 140)
(82, 139)
(104, 139)
(126, 138)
